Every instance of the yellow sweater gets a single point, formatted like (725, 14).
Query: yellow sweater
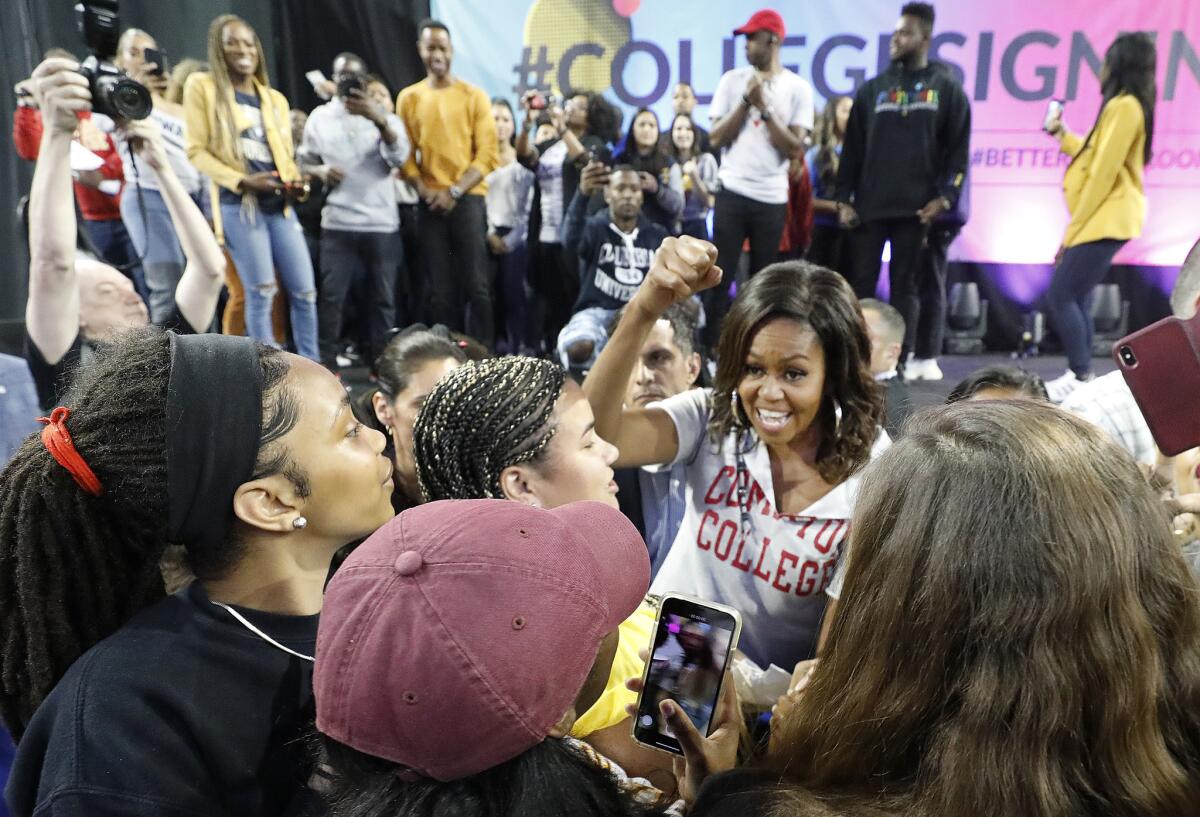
(210, 146)
(451, 130)
(1103, 184)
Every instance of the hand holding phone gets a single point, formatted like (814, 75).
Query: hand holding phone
(1053, 120)
(158, 59)
(693, 644)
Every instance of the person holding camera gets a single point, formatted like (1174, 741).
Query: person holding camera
(239, 134)
(143, 207)
(352, 144)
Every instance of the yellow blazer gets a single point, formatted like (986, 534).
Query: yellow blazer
(1103, 183)
(209, 144)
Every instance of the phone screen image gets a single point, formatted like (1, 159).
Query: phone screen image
(692, 643)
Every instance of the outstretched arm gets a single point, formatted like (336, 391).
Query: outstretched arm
(52, 312)
(646, 436)
(200, 286)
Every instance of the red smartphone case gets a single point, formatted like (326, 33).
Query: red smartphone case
(1161, 366)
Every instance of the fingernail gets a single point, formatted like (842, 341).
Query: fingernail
(667, 708)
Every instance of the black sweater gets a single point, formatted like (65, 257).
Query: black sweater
(907, 141)
(182, 712)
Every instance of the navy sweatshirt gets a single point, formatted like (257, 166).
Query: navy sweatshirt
(180, 713)
(907, 142)
(612, 264)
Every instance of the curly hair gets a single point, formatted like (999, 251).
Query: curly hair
(822, 300)
(482, 418)
(604, 118)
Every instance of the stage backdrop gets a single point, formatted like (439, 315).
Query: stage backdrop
(1013, 57)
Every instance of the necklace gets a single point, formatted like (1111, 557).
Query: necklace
(242, 620)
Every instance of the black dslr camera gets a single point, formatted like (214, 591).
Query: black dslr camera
(113, 93)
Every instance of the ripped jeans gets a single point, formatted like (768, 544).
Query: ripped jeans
(273, 243)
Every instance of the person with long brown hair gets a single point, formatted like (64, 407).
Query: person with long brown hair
(1018, 636)
(771, 449)
(239, 134)
(822, 163)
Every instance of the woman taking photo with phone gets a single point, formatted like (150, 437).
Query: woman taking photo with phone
(1104, 192)
(771, 450)
(662, 179)
(239, 135)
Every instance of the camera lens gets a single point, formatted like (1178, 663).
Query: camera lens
(1127, 356)
(129, 99)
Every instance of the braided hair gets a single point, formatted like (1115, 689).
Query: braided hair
(482, 418)
(75, 567)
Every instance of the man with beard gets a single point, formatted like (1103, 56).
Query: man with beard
(903, 164)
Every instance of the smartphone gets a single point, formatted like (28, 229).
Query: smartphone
(159, 59)
(1161, 366)
(1054, 111)
(315, 77)
(693, 644)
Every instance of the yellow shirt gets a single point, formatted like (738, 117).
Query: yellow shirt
(636, 634)
(1103, 184)
(451, 130)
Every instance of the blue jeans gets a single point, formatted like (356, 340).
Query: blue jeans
(154, 239)
(1081, 269)
(112, 244)
(273, 243)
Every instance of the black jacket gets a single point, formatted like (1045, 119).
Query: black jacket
(181, 712)
(907, 141)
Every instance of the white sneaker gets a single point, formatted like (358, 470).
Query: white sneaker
(923, 369)
(1060, 387)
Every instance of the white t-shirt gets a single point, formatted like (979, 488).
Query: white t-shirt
(776, 575)
(549, 176)
(751, 166)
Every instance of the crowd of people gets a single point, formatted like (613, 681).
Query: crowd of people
(229, 587)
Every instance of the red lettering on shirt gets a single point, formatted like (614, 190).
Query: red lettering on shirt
(737, 558)
(784, 557)
(806, 585)
(762, 553)
(716, 492)
(726, 536)
(709, 516)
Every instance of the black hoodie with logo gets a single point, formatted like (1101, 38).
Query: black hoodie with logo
(612, 264)
(907, 142)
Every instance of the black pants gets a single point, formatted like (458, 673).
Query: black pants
(828, 247)
(410, 295)
(931, 289)
(735, 219)
(346, 258)
(866, 253)
(513, 297)
(454, 257)
(1081, 269)
(554, 276)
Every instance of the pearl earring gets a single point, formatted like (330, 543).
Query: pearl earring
(299, 523)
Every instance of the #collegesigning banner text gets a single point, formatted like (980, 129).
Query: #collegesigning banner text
(1012, 57)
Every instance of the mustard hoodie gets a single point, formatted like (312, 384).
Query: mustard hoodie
(1103, 183)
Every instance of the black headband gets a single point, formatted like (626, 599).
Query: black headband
(214, 419)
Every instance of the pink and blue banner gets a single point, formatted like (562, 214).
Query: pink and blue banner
(1013, 57)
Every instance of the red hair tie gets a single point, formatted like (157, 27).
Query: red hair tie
(58, 442)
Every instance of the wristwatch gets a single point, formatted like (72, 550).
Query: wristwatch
(765, 114)
(456, 192)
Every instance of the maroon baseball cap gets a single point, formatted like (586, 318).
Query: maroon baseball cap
(458, 635)
(764, 20)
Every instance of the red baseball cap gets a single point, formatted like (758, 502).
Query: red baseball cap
(764, 20)
(458, 635)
